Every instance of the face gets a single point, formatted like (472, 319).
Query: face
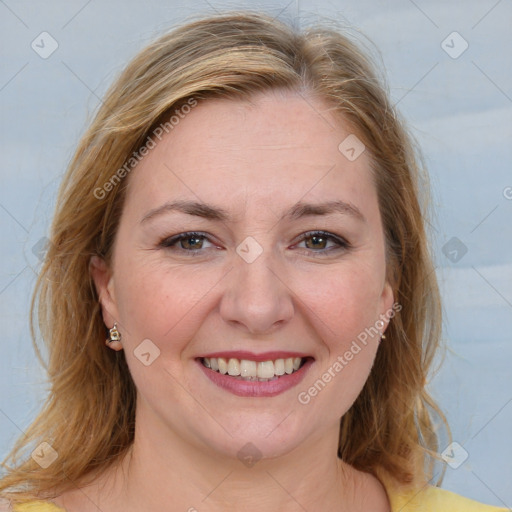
(274, 255)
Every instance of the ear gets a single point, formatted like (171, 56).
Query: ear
(104, 283)
(387, 300)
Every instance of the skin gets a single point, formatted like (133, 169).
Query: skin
(255, 160)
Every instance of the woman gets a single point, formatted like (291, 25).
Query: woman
(242, 221)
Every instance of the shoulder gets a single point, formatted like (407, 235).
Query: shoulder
(29, 506)
(440, 500)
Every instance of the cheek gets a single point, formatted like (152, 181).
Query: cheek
(344, 302)
(161, 303)
(345, 308)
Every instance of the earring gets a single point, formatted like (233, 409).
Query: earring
(382, 337)
(114, 335)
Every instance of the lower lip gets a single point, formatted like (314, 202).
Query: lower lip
(257, 389)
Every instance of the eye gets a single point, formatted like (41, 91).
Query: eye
(317, 241)
(186, 242)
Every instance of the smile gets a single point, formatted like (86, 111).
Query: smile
(246, 369)
(251, 375)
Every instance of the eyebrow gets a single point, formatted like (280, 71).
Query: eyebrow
(297, 211)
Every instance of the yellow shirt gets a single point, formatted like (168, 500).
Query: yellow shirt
(431, 499)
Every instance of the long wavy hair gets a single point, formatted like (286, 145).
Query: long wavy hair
(88, 417)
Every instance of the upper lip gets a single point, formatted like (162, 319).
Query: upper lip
(251, 356)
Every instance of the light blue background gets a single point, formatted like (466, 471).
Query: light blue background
(460, 111)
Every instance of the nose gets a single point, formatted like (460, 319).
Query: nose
(256, 297)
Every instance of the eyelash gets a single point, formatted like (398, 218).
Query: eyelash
(168, 243)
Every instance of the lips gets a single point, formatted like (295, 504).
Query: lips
(247, 374)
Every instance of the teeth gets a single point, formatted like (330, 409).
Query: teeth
(223, 365)
(252, 370)
(234, 367)
(279, 366)
(248, 368)
(266, 370)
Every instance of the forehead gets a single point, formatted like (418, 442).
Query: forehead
(278, 147)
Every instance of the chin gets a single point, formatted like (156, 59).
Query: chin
(257, 438)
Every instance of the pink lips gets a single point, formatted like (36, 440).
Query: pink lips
(256, 389)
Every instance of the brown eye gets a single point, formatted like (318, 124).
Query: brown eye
(317, 242)
(186, 242)
(191, 242)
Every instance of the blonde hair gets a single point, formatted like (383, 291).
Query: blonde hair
(88, 417)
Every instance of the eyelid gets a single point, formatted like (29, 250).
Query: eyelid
(341, 243)
(171, 240)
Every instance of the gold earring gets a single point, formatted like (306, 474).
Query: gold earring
(114, 335)
(382, 337)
